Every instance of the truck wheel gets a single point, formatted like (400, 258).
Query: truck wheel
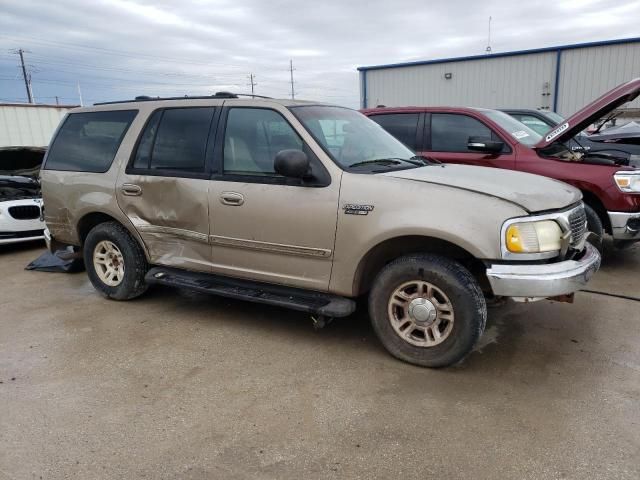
(427, 310)
(594, 224)
(115, 263)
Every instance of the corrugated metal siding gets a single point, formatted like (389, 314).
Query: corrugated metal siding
(587, 73)
(28, 126)
(502, 82)
(524, 80)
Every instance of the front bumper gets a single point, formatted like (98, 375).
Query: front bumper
(14, 229)
(544, 281)
(625, 225)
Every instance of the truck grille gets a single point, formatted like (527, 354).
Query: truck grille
(25, 212)
(578, 224)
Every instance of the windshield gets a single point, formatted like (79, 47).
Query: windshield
(354, 141)
(553, 116)
(519, 131)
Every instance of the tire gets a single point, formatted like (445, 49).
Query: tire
(594, 225)
(452, 286)
(129, 282)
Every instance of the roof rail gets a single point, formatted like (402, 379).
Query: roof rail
(146, 98)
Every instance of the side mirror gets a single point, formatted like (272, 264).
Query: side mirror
(484, 144)
(292, 163)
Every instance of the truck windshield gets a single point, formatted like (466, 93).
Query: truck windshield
(353, 141)
(519, 131)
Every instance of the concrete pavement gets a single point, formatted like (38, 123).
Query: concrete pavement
(179, 385)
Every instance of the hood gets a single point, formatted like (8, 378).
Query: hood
(627, 133)
(533, 193)
(594, 111)
(19, 169)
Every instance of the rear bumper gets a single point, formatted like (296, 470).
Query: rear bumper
(625, 225)
(544, 281)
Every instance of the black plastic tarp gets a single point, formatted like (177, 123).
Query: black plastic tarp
(60, 262)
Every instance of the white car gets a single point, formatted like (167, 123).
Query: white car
(21, 220)
(21, 216)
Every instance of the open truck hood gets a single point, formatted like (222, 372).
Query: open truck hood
(533, 193)
(594, 111)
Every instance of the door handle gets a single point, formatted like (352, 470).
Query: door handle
(234, 199)
(131, 190)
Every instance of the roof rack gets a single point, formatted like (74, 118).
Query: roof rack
(146, 98)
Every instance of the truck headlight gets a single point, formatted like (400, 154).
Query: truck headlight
(628, 182)
(533, 237)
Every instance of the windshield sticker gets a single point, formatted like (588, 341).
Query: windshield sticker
(554, 133)
(520, 134)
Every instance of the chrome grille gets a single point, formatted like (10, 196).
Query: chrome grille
(578, 224)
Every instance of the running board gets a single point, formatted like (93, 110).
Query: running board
(288, 297)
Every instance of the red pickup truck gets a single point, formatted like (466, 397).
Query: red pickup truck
(475, 136)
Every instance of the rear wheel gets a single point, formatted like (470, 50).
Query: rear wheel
(427, 310)
(115, 263)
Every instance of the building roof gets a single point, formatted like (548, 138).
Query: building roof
(35, 105)
(503, 54)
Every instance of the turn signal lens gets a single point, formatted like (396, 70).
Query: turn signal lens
(534, 237)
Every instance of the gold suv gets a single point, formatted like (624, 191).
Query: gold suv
(307, 206)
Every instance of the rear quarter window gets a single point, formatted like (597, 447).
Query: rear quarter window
(88, 142)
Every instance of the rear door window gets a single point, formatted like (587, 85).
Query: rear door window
(451, 132)
(403, 126)
(175, 141)
(88, 142)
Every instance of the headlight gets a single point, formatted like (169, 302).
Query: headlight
(628, 182)
(533, 237)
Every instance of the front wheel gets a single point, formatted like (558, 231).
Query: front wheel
(115, 263)
(427, 310)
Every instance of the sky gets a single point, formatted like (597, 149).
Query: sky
(118, 49)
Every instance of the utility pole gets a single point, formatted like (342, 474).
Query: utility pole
(488, 49)
(26, 76)
(291, 69)
(253, 83)
(80, 94)
(57, 100)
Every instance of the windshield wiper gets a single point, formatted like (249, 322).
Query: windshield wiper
(386, 161)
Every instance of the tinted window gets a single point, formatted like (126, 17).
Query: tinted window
(143, 153)
(403, 126)
(252, 139)
(451, 132)
(181, 140)
(88, 142)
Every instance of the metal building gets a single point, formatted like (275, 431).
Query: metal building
(31, 125)
(562, 78)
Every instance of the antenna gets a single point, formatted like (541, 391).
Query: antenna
(488, 49)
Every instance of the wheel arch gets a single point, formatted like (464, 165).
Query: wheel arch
(592, 200)
(95, 218)
(388, 250)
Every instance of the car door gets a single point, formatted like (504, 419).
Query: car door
(449, 136)
(264, 226)
(406, 127)
(164, 190)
